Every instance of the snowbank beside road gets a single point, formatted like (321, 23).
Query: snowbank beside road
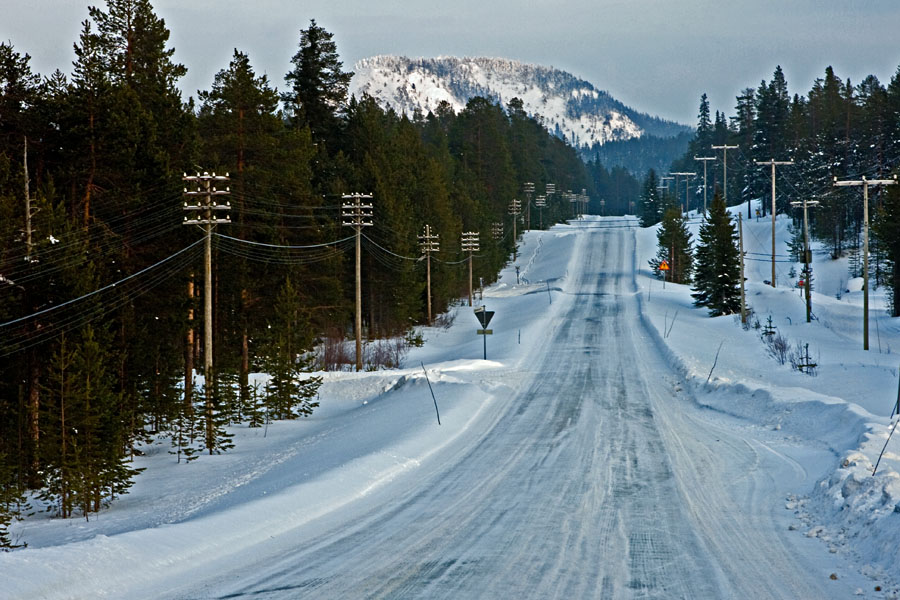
(844, 409)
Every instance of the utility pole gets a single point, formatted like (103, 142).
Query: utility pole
(206, 212)
(359, 215)
(515, 209)
(704, 159)
(550, 191)
(687, 180)
(773, 163)
(541, 202)
(865, 183)
(470, 245)
(725, 148)
(528, 188)
(664, 184)
(428, 243)
(807, 258)
(497, 230)
(741, 250)
(572, 198)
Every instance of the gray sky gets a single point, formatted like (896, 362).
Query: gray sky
(657, 56)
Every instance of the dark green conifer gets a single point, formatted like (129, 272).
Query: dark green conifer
(717, 265)
(674, 247)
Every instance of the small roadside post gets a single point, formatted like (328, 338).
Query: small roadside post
(484, 317)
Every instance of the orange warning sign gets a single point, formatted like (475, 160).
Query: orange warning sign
(664, 265)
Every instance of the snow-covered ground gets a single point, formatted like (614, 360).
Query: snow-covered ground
(845, 408)
(376, 435)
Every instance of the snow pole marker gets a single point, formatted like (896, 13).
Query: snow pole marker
(432, 393)
(714, 361)
(894, 428)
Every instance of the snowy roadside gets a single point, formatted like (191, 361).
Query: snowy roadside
(374, 436)
(843, 410)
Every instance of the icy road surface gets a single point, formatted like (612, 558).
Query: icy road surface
(599, 480)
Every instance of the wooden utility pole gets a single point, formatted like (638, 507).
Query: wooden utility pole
(470, 245)
(206, 211)
(725, 148)
(741, 251)
(687, 180)
(704, 159)
(528, 188)
(515, 209)
(807, 256)
(865, 183)
(541, 202)
(773, 163)
(359, 215)
(428, 243)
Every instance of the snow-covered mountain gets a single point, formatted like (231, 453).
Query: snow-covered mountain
(570, 107)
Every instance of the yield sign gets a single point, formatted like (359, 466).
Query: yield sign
(484, 316)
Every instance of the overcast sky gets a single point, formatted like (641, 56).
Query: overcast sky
(657, 56)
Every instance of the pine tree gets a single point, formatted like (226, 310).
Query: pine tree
(887, 228)
(674, 247)
(318, 86)
(717, 268)
(650, 202)
(13, 504)
(289, 390)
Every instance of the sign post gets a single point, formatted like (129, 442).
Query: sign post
(664, 266)
(484, 317)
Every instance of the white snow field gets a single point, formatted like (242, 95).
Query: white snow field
(588, 457)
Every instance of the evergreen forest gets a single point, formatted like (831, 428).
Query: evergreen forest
(838, 130)
(102, 264)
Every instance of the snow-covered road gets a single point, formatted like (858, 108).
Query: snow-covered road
(600, 478)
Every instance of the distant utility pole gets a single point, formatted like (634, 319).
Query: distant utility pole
(515, 209)
(807, 258)
(741, 251)
(528, 188)
(428, 243)
(572, 198)
(470, 245)
(866, 184)
(497, 230)
(664, 184)
(725, 148)
(687, 180)
(773, 163)
(541, 202)
(550, 191)
(704, 159)
(359, 215)
(206, 212)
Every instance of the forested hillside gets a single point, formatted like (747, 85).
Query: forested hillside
(837, 130)
(101, 284)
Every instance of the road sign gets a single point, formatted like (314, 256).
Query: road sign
(484, 316)
(664, 265)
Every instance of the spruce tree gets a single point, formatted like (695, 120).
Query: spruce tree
(674, 247)
(717, 267)
(650, 202)
(318, 86)
(289, 390)
(887, 229)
